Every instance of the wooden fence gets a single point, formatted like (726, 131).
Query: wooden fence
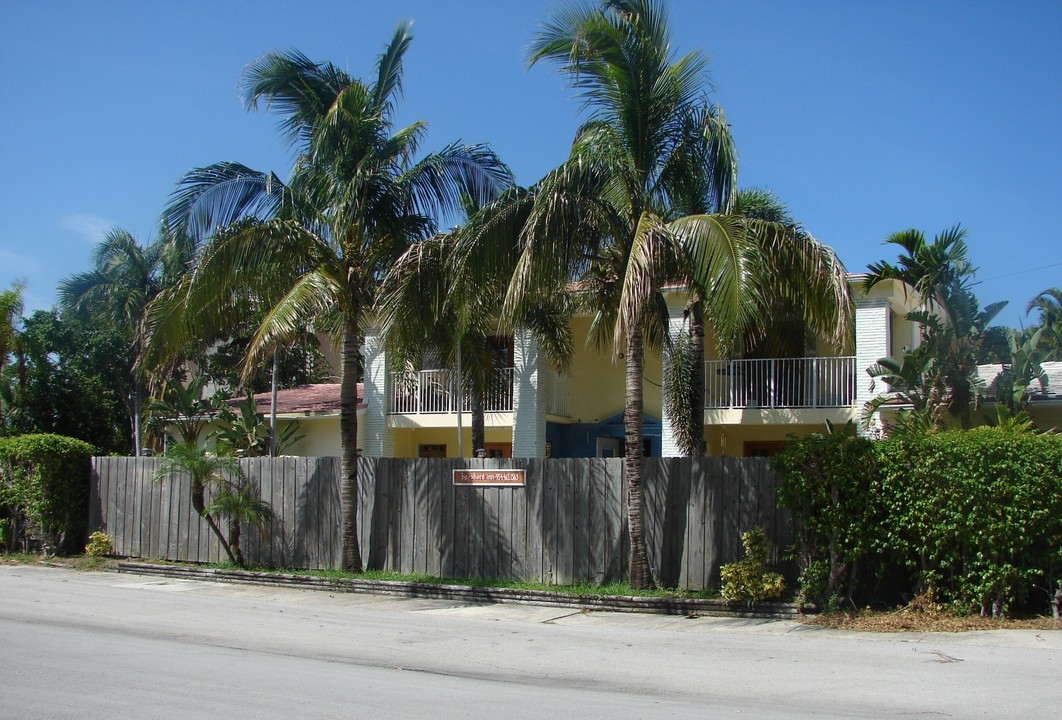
(567, 523)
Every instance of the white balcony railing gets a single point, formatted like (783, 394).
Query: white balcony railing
(435, 391)
(818, 382)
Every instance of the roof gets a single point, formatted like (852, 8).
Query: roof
(316, 399)
(1049, 387)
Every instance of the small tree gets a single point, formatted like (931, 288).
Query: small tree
(238, 502)
(245, 431)
(217, 471)
(826, 481)
(182, 409)
(44, 491)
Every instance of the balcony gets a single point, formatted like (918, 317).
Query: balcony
(816, 382)
(435, 392)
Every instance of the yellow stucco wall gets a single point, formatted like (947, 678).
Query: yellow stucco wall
(738, 435)
(408, 440)
(597, 383)
(321, 436)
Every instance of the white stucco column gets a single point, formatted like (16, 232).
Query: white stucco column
(378, 437)
(669, 446)
(873, 335)
(529, 408)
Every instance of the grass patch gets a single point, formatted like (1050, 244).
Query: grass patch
(583, 588)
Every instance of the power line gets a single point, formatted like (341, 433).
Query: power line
(1018, 272)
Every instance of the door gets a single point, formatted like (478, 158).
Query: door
(609, 447)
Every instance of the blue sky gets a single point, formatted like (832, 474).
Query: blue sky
(865, 118)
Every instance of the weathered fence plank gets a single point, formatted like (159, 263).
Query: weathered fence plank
(566, 523)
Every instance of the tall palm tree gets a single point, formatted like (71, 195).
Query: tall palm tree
(614, 217)
(126, 276)
(803, 290)
(953, 324)
(357, 197)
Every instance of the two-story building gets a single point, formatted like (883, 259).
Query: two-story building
(750, 406)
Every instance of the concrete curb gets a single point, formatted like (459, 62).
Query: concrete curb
(611, 603)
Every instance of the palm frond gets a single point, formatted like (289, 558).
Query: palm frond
(216, 196)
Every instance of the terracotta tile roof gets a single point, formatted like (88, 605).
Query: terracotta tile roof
(318, 399)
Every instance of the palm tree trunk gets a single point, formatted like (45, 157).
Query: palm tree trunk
(136, 418)
(234, 540)
(640, 573)
(696, 330)
(199, 505)
(348, 438)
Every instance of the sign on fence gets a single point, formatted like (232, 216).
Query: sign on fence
(489, 477)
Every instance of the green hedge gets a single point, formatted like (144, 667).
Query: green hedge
(976, 515)
(973, 517)
(44, 492)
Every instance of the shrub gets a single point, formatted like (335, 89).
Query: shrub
(748, 579)
(975, 515)
(44, 490)
(99, 544)
(825, 480)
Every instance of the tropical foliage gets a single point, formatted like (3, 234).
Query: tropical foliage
(125, 277)
(1048, 305)
(970, 518)
(44, 482)
(216, 475)
(939, 377)
(245, 432)
(642, 201)
(313, 250)
(10, 314)
(71, 378)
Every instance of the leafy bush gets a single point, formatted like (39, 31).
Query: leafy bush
(99, 544)
(825, 480)
(975, 515)
(44, 490)
(970, 518)
(748, 579)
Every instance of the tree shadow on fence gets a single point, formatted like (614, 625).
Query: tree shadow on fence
(316, 541)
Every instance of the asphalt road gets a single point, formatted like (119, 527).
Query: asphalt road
(101, 645)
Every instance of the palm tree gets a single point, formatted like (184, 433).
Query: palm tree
(617, 216)
(1049, 304)
(802, 289)
(126, 276)
(238, 502)
(356, 199)
(953, 324)
(205, 470)
(438, 298)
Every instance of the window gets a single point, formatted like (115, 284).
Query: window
(431, 451)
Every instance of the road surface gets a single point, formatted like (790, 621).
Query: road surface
(102, 645)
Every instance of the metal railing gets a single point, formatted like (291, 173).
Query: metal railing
(816, 382)
(435, 391)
